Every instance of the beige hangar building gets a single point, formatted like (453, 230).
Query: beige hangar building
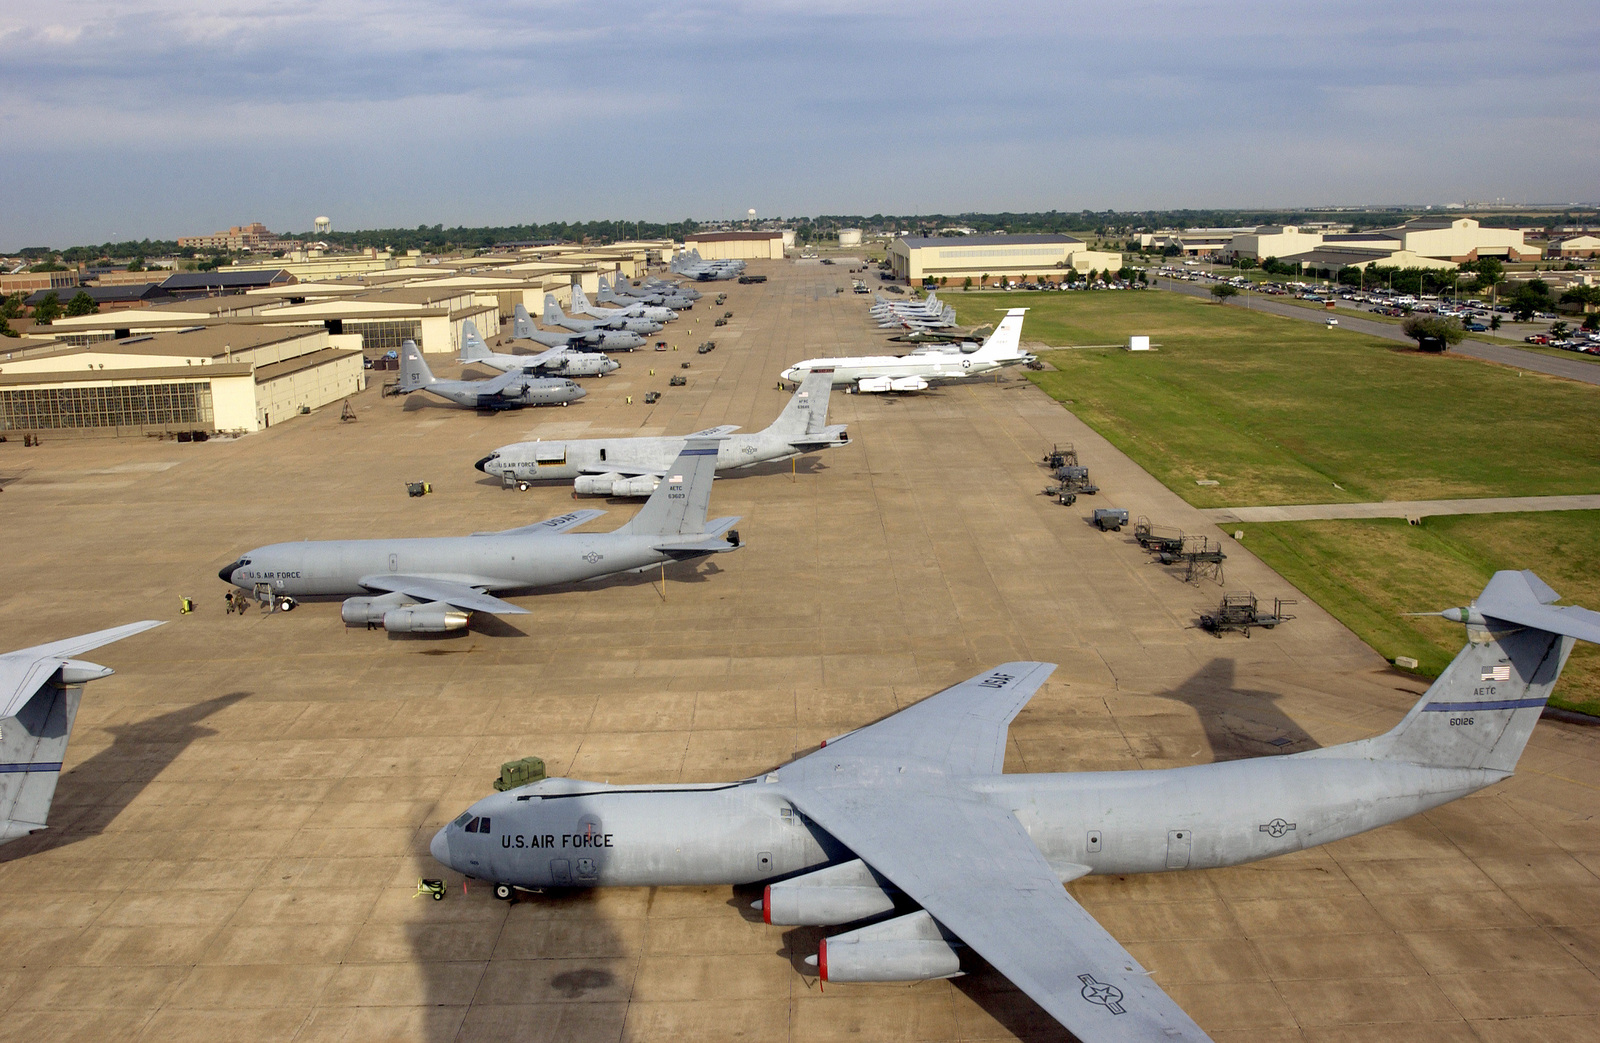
(916, 258)
(743, 246)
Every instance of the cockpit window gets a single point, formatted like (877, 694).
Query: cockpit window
(472, 827)
(483, 824)
(463, 819)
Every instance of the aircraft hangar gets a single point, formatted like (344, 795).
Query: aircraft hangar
(247, 803)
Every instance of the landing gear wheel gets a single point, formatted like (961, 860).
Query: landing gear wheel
(522, 487)
(504, 892)
(286, 604)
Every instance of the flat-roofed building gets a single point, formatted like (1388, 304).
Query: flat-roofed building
(1576, 246)
(28, 282)
(237, 378)
(1021, 257)
(725, 246)
(1273, 241)
(1330, 257)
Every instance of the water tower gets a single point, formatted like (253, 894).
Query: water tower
(751, 215)
(322, 225)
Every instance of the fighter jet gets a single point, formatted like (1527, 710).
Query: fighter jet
(522, 328)
(514, 389)
(924, 368)
(40, 688)
(553, 316)
(430, 585)
(632, 309)
(555, 362)
(635, 466)
(915, 809)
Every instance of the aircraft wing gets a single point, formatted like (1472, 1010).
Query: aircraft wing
(626, 470)
(560, 523)
(961, 730)
(451, 592)
(720, 431)
(543, 358)
(495, 385)
(971, 865)
(23, 672)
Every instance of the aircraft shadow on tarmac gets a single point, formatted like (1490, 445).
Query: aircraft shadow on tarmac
(90, 796)
(1238, 723)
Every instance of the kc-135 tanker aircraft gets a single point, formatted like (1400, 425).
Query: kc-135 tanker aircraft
(39, 692)
(433, 584)
(635, 466)
(925, 367)
(912, 816)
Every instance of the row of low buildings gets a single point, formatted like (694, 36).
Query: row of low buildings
(242, 348)
(1021, 258)
(1419, 243)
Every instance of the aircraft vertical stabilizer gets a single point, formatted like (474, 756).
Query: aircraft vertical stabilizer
(1006, 340)
(472, 346)
(521, 324)
(680, 502)
(414, 371)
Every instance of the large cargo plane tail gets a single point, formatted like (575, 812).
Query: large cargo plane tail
(1482, 709)
(521, 324)
(473, 349)
(414, 372)
(1006, 341)
(679, 504)
(807, 410)
(580, 300)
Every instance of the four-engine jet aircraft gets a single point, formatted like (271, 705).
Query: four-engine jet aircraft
(691, 265)
(430, 585)
(923, 369)
(635, 466)
(40, 688)
(554, 362)
(553, 316)
(636, 309)
(523, 328)
(914, 811)
(511, 390)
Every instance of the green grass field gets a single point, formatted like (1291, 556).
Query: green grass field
(1281, 412)
(1367, 573)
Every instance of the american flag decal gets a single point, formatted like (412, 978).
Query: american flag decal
(675, 478)
(1496, 673)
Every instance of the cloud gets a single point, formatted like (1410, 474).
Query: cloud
(409, 111)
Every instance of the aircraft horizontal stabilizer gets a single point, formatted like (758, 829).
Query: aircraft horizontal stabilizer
(25, 671)
(1524, 599)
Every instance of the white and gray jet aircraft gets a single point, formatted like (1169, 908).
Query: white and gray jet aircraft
(40, 688)
(523, 328)
(925, 367)
(635, 466)
(433, 584)
(554, 317)
(631, 308)
(514, 389)
(914, 813)
(552, 362)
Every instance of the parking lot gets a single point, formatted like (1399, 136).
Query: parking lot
(247, 804)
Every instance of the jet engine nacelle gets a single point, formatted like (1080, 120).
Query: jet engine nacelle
(433, 618)
(907, 948)
(837, 894)
(908, 384)
(361, 611)
(642, 485)
(595, 484)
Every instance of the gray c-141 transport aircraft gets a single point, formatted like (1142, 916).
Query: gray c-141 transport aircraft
(632, 309)
(522, 328)
(432, 584)
(554, 317)
(913, 812)
(664, 295)
(553, 362)
(635, 466)
(40, 688)
(514, 389)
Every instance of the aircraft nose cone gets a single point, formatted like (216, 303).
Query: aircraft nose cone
(482, 465)
(439, 848)
(226, 575)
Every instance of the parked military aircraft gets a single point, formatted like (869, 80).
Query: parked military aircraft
(691, 265)
(925, 367)
(635, 466)
(554, 362)
(621, 292)
(914, 811)
(430, 585)
(511, 390)
(523, 328)
(633, 309)
(553, 316)
(39, 692)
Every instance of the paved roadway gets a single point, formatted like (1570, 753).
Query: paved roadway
(1505, 354)
(1402, 508)
(248, 801)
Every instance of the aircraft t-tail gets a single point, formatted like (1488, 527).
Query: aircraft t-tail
(635, 466)
(40, 688)
(914, 812)
(434, 584)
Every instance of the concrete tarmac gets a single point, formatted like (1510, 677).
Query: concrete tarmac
(248, 801)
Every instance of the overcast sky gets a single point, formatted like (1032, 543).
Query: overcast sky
(165, 118)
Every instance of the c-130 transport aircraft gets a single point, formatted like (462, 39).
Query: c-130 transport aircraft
(913, 813)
